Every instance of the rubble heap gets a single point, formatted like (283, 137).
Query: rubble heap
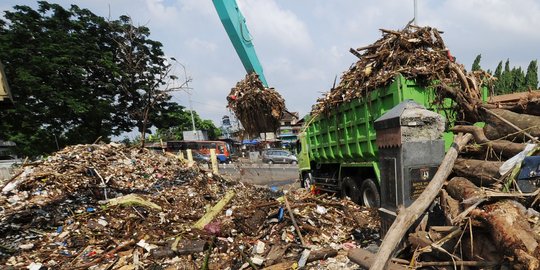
(417, 53)
(486, 213)
(259, 109)
(114, 207)
(488, 196)
(481, 210)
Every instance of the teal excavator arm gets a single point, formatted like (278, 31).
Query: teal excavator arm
(235, 25)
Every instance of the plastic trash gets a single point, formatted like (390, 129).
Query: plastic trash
(303, 258)
(518, 158)
(321, 210)
(213, 228)
(281, 213)
(34, 266)
(259, 248)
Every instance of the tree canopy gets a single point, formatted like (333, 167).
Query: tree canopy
(512, 79)
(76, 77)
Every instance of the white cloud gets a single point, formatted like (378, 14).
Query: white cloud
(518, 17)
(198, 6)
(159, 11)
(271, 23)
(199, 45)
(303, 44)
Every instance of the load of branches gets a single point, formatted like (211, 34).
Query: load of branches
(258, 108)
(417, 53)
(481, 210)
(488, 197)
(485, 211)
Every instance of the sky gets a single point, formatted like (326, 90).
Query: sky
(303, 45)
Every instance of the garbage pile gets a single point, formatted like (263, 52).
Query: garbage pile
(485, 216)
(258, 108)
(417, 53)
(486, 212)
(108, 206)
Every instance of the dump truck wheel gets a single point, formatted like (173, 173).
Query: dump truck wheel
(350, 189)
(370, 196)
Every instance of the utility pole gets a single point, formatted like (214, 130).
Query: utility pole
(195, 134)
(187, 89)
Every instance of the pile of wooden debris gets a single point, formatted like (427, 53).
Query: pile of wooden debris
(417, 53)
(486, 192)
(258, 108)
(481, 210)
(113, 207)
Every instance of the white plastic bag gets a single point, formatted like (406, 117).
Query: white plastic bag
(509, 164)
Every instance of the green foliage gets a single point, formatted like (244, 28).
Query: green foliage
(531, 78)
(514, 79)
(476, 63)
(76, 77)
(174, 119)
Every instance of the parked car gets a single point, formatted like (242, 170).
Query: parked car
(198, 157)
(279, 156)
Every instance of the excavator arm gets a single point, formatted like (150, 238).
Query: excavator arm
(235, 25)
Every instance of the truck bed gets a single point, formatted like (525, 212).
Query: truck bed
(346, 135)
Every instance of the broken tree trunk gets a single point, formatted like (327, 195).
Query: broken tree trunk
(512, 233)
(462, 189)
(480, 172)
(407, 217)
(314, 255)
(504, 148)
(496, 128)
(366, 259)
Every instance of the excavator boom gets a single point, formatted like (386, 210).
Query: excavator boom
(235, 25)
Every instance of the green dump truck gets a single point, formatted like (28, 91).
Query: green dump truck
(338, 151)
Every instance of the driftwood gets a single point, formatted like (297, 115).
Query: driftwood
(407, 217)
(504, 148)
(462, 189)
(191, 246)
(294, 221)
(496, 128)
(209, 216)
(480, 172)
(423, 241)
(314, 255)
(366, 259)
(451, 207)
(482, 248)
(512, 233)
(520, 102)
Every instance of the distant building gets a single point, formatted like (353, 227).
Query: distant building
(226, 127)
(6, 150)
(290, 127)
(195, 135)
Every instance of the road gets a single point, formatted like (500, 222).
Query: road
(261, 174)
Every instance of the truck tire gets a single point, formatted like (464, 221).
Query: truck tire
(350, 189)
(270, 161)
(370, 196)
